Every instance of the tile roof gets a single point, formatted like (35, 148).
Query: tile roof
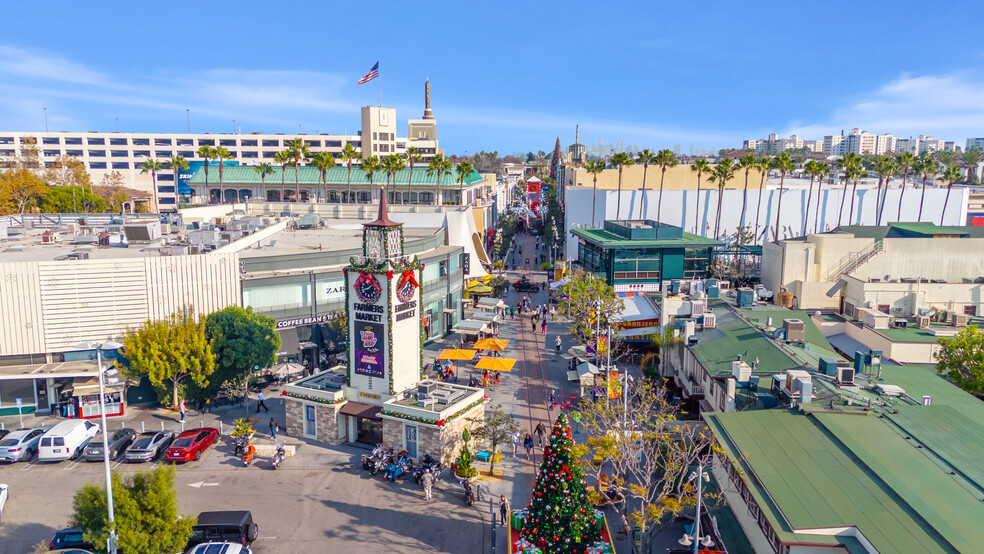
(337, 177)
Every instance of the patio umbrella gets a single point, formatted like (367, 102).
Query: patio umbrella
(456, 354)
(579, 352)
(473, 283)
(480, 289)
(495, 364)
(486, 278)
(285, 369)
(492, 344)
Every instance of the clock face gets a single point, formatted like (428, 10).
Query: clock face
(383, 118)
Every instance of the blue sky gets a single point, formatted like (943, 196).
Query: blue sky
(506, 76)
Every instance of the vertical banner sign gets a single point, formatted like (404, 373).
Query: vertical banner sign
(369, 358)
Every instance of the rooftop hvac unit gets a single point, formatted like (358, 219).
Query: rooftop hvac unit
(741, 371)
(710, 320)
(923, 322)
(845, 375)
(697, 307)
(724, 285)
(426, 388)
(795, 330)
(960, 320)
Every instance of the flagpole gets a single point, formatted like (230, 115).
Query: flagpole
(380, 79)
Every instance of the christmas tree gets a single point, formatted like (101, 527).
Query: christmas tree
(559, 518)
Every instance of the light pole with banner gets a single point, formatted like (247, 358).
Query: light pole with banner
(111, 373)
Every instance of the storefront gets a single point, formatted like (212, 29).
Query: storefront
(364, 424)
(85, 392)
(313, 342)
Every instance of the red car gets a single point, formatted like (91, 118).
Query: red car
(190, 444)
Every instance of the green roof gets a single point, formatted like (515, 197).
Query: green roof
(926, 228)
(607, 239)
(337, 177)
(819, 470)
(909, 334)
(716, 348)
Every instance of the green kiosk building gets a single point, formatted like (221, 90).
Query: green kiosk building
(643, 251)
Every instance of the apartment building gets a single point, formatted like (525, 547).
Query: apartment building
(859, 142)
(774, 144)
(977, 143)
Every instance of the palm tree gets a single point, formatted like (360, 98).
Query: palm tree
(723, 172)
(439, 166)
(412, 157)
(619, 161)
(152, 166)
(645, 157)
(785, 164)
(395, 164)
(370, 166)
(821, 169)
(849, 163)
(699, 167)
(323, 161)
(886, 169)
(177, 164)
(951, 175)
(763, 165)
(663, 344)
(465, 170)
(972, 157)
(746, 162)
(208, 153)
(283, 158)
(904, 161)
(811, 168)
(947, 158)
(594, 169)
(299, 152)
(924, 167)
(222, 154)
(349, 155)
(664, 158)
(263, 169)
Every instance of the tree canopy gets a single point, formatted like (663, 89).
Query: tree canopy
(496, 427)
(146, 513)
(961, 358)
(579, 301)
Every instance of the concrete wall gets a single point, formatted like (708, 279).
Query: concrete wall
(677, 178)
(950, 259)
(909, 298)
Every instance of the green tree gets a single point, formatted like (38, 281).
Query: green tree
(594, 169)
(664, 158)
(951, 175)
(208, 153)
(811, 168)
(177, 164)
(723, 172)
(464, 170)
(700, 167)
(971, 158)
(961, 358)
(393, 164)
(905, 161)
(926, 168)
(580, 298)
(465, 457)
(323, 161)
(152, 166)
(413, 157)
(263, 169)
(146, 513)
(222, 154)
(850, 164)
(439, 166)
(645, 157)
(370, 166)
(821, 169)
(169, 351)
(20, 189)
(747, 163)
(560, 517)
(663, 343)
(283, 158)
(299, 152)
(764, 165)
(619, 161)
(496, 427)
(349, 155)
(886, 169)
(784, 164)
(63, 200)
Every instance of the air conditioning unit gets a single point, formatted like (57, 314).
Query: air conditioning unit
(960, 320)
(922, 322)
(697, 307)
(845, 375)
(710, 320)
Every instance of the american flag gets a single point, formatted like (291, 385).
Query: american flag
(373, 73)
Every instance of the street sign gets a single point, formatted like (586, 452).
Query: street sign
(20, 403)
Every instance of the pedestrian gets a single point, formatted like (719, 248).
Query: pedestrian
(428, 481)
(540, 431)
(181, 410)
(273, 429)
(515, 442)
(512, 312)
(543, 326)
(528, 444)
(259, 402)
(551, 397)
(557, 343)
(553, 313)
(503, 509)
(533, 323)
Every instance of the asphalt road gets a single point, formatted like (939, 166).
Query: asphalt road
(318, 501)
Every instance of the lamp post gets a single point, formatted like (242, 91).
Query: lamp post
(108, 345)
(696, 540)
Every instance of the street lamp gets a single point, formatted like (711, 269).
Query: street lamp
(111, 373)
(696, 540)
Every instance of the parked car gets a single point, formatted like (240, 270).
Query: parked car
(220, 548)
(231, 526)
(69, 538)
(525, 285)
(3, 498)
(66, 440)
(21, 445)
(4, 433)
(118, 443)
(190, 444)
(71, 551)
(148, 446)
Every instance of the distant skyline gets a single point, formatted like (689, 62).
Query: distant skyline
(510, 77)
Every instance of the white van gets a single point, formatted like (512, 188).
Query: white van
(66, 440)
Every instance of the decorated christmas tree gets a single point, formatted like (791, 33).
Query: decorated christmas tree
(559, 518)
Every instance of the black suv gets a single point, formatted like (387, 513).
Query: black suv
(69, 538)
(223, 527)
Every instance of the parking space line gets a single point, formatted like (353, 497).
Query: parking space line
(71, 465)
(28, 465)
(118, 464)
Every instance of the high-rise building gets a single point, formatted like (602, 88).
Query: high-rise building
(977, 143)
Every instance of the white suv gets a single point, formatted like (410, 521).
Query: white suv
(220, 548)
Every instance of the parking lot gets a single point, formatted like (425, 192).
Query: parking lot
(319, 498)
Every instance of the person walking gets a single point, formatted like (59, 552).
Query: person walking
(543, 326)
(273, 429)
(503, 509)
(428, 481)
(557, 344)
(528, 444)
(515, 442)
(259, 402)
(533, 323)
(540, 431)
(512, 312)
(181, 410)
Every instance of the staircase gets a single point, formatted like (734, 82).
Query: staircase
(855, 260)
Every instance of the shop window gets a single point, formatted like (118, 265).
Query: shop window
(443, 268)
(11, 390)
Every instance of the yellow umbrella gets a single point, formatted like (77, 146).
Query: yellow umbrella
(486, 278)
(495, 364)
(456, 354)
(473, 284)
(491, 344)
(480, 289)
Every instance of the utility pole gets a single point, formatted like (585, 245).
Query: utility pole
(45, 119)
(188, 113)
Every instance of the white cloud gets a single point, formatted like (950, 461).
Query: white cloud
(948, 106)
(15, 61)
